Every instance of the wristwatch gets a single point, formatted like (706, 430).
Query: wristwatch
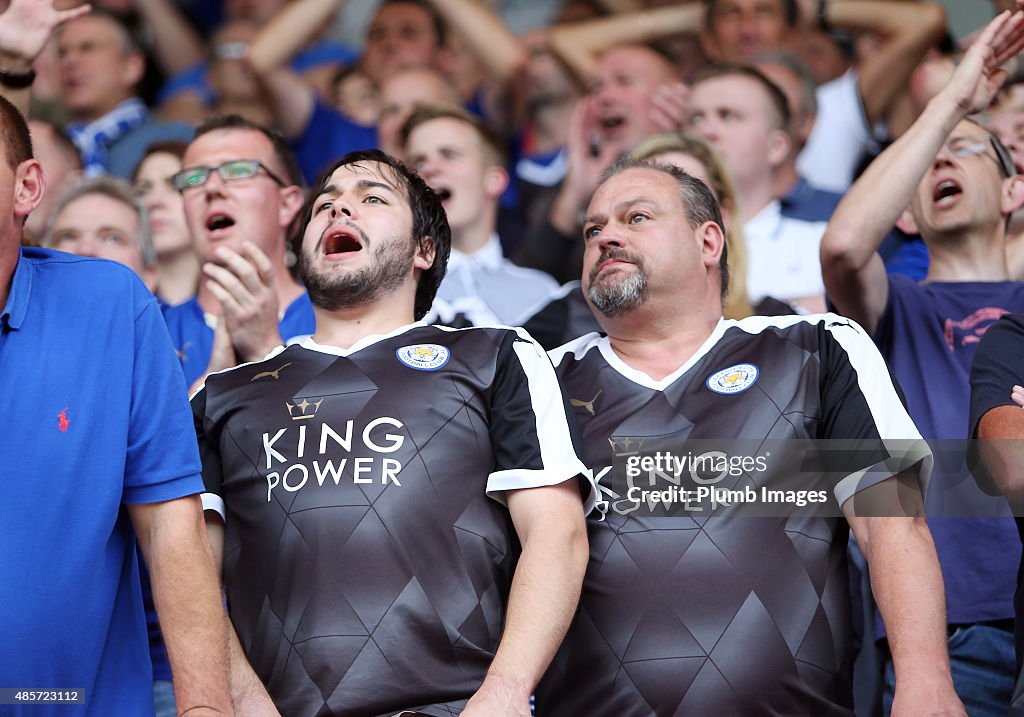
(17, 80)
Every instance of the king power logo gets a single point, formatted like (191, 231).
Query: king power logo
(312, 453)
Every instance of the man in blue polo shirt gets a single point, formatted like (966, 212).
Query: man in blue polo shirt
(97, 450)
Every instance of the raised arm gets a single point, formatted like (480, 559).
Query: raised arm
(501, 53)
(25, 27)
(996, 460)
(854, 274)
(1001, 448)
(502, 56)
(176, 45)
(907, 30)
(247, 329)
(185, 590)
(289, 31)
(580, 43)
(545, 591)
(292, 99)
(552, 246)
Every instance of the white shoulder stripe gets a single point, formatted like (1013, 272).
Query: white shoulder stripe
(894, 425)
(758, 324)
(554, 437)
(874, 380)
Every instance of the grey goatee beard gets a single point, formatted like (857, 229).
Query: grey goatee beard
(614, 295)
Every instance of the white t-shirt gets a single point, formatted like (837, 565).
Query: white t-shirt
(783, 256)
(840, 137)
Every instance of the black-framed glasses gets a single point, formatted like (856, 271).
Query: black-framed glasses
(236, 170)
(964, 147)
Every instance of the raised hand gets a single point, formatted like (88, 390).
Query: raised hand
(242, 283)
(980, 74)
(669, 106)
(588, 156)
(26, 25)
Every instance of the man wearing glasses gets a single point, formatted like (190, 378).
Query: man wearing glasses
(240, 186)
(950, 180)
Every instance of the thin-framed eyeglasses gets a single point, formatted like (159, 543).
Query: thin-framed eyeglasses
(237, 170)
(965, 147)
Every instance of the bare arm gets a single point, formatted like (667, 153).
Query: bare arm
(853, 272)
(185, 590)
(545, 591)
(502, 56)
(291, 98)
(907, 30)
(176, 44)
(289, 31)
(247, 692)
(222, 356)
(621, 6)
(907, 584)
(580, 43)
(584, 169)
(501, 53)
(1001, 449)
(25, 26)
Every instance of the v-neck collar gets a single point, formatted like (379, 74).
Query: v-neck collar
(604, 345)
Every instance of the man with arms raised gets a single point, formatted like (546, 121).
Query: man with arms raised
(950, 180)
(366, 487)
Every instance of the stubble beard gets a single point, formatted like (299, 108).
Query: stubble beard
(391, 264)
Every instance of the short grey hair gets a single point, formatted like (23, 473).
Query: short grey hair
(115, 188)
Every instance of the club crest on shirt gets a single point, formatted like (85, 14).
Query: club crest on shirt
(423, 357)
(734, 379)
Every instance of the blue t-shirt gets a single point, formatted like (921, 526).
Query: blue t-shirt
(94, 416)
(328, 136)
(193, 337)
(196, 77)
(928, 334)
(905, 254)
